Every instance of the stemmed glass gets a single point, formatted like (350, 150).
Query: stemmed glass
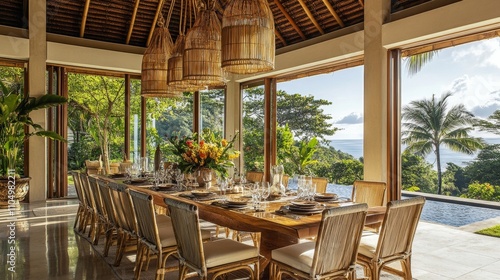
(265, 191)
(222, 182)
(179, 177)
(256, 195)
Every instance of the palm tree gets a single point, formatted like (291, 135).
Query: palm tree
(492, 126)
(415, 62)
(428, 124)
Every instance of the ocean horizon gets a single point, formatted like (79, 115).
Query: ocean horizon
(354, 147)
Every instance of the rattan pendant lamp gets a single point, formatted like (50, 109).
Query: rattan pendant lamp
(202, 52)
(248, 44)
(175, 62)
(155, 62)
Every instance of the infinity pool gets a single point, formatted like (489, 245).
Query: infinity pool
(439, 212)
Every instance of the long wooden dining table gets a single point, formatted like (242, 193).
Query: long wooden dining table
(277, 229)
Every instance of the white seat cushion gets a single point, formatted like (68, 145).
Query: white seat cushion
(299, 256)
(226, 251)
(368, 245)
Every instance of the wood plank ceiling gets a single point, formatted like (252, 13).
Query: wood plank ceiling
(131, 22)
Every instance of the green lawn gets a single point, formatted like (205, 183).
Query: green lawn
(492, 231)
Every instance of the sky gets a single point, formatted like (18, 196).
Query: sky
(471, 72)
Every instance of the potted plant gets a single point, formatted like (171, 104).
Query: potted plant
(14, 118)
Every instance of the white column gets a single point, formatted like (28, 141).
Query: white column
(36, 66)
(375, 92)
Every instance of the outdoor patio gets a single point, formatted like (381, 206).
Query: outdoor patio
(440, 252)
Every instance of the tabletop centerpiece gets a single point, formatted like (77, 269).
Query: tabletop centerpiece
(210, 153)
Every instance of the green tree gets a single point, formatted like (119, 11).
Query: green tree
(416, 172)
(454, 180)
(346, 171)
(485, 168)
(428, 124)
(415, 63)
(302, 157)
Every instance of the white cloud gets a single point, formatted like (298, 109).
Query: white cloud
(352, 118)
(475, 92)
(484, 53)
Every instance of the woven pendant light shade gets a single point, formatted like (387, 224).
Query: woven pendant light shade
(154, 65)
(175, 64)
(248, 44)
(202, 52)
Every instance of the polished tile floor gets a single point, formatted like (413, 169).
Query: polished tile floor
(45, 247)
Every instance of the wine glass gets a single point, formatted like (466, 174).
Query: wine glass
(223, 187)
(265, 191)
(179, 177)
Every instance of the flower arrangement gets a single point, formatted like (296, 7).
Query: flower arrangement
(212, 151)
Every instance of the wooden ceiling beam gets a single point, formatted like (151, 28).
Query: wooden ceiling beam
(278, 34)
(84, 17)
(334, 14)
(361, 2)
(132, 21)
(311, 16)
(290, 19)
(153, 25)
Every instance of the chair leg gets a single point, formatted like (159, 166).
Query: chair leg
(139, 260)
(160, 270)
(406, 265)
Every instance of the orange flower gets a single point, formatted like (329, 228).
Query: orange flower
(203, 155)
(202, 142)
(189, 143)
(224, 142)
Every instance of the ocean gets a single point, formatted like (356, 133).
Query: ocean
(355, 148)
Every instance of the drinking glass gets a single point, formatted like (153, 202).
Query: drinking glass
(265, 191)
(223, 187)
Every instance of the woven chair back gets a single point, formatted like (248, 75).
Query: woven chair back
(107, 201)
(321, 184)
(125, 215)
(338, 240)
(187, 233)
(254, 176)
(369, 192)
(78, 188)
(89, 195)
(398, 228)
(99, 207)
(146, 219)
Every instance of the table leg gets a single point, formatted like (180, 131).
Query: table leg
(268, 242)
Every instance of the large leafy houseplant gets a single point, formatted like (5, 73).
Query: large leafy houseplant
(14, 117)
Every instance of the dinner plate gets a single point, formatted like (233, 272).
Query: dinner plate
(138, 180)
(303, 204)
(326, 196)
(200, 193)
(237, 201)
(306, 211)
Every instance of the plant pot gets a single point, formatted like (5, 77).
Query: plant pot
(10, 194)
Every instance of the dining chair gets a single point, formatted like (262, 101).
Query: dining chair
(254, 176)
(91, 218)
(394, 242)
(321, 184)
(111, 229)
(101, 217)
(155, 234)
(81, 213)
(369, 192)
(332, 255)
(212, 258)
(125, 220)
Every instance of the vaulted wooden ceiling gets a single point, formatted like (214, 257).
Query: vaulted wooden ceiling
(131, 22)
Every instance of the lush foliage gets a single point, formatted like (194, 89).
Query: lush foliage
(15, 109)
(212, 151)
(484, 191)
(492, 231)
(428, 124)
(485, 169)
(417, 173)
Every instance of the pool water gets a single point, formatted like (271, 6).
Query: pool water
(438, 212)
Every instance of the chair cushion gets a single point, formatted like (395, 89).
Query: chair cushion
(225, 251)
(299, 256)
(165, 231)
(368, 245)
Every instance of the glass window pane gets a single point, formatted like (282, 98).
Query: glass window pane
(253, 128)
(212, 110)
